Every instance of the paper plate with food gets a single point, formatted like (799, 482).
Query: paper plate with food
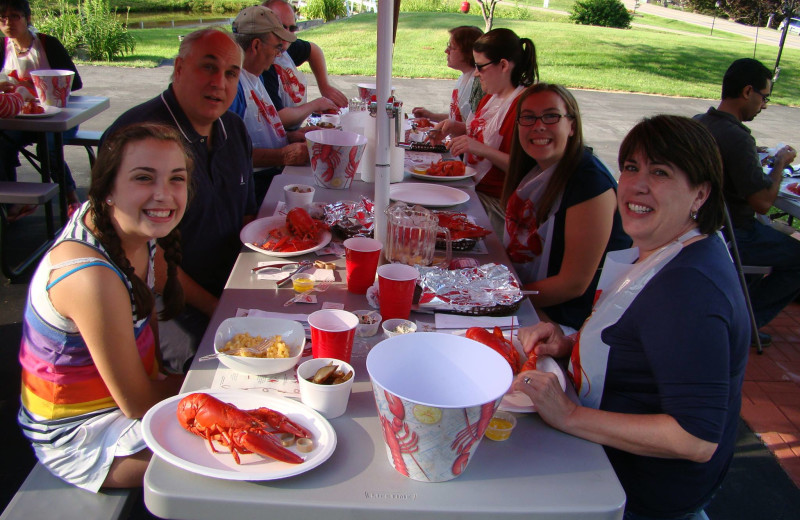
(32, 110)
(293, 235)
(442, 171)
(791, 189)
(271, 437)
(511, 349)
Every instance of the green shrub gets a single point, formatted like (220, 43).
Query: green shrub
(91, 30)
(604, 13)
(326, 9)
(430, 6)
(104, 37)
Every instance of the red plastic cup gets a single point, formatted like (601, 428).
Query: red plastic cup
(332, 333)
(396, 284)
(361, 257)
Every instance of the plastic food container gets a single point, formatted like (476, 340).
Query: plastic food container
(364, 329)
(500, 426)
(397, 326)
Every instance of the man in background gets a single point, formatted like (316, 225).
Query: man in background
(748, 190)
(204, 83)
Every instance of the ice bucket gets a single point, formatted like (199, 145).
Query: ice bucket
(53, 86)
(435, 394)
(334, 156)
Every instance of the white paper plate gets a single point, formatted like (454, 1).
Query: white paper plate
(785, 192)
(519, 402)
(167, 438)
(257, 230)
(433, 196)
(436, 178)
(48, 112)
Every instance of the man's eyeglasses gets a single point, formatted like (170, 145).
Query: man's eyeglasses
(451, 48)
(291, 28)
(764, 97)
(548, 119)
(480, 67)
(10, 18)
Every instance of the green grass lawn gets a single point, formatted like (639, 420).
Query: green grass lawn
(641, 59)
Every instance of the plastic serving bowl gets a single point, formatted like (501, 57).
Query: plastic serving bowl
(290, 331)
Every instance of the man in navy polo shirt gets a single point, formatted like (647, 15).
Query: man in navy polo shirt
(204, 83)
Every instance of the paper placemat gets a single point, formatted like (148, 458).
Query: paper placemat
(455, 321)
(319, 275)
(258, 313)
(284, 384)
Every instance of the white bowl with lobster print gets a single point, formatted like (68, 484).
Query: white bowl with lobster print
(435, 394)
(335, 156)
(53, 86)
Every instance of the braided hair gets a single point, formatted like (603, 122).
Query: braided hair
(104, 176)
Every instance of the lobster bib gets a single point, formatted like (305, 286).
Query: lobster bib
(260, 117)
(292, 82)
(459, 103)
(527, 242)
(34, 59)
(484, 126)
(620, 282)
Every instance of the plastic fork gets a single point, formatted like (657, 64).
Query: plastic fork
(320, 287)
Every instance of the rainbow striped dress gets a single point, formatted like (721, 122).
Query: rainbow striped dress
(66, 406)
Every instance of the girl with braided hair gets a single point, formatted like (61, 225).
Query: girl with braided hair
(89, 351)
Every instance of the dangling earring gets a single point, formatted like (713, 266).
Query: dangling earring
(693, 215)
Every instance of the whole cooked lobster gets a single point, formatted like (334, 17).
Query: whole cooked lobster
(301, 232)
(241, 431)
(498, 342)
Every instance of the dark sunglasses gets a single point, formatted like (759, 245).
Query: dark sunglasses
(291, 28)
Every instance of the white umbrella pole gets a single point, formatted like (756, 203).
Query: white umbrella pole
(383, 134)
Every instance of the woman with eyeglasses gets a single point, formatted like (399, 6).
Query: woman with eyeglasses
(560, 202)
(505, 64)
(24, 50)
(467, 92)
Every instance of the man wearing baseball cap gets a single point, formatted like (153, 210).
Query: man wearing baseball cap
(259, 32)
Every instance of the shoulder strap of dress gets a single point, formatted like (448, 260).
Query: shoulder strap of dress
(82, 263)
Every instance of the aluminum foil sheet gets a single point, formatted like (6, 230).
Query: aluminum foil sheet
(487, 285)
(352, 218)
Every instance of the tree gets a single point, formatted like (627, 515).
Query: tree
(487, 10)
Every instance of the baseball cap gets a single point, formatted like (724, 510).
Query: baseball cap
(259, 20)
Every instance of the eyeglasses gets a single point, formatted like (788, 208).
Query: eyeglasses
(291, 28)
(548, 119)
(10, 18)
(451, 48)
(480, 67)
(763, 96)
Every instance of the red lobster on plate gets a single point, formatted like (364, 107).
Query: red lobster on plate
(301, 232)
(503, 346)
(241, 431)
(794, 188)
(459, 225)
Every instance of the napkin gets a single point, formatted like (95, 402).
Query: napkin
(455, 321)
(258, 313)
(319, 275)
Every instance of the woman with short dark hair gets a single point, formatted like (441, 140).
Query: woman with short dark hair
(658, 366)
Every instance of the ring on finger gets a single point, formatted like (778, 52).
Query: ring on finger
(526, 380)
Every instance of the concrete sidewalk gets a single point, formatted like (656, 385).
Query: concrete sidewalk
(607, 116)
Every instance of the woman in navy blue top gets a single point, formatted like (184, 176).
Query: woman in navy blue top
(658, 366)
(560, 201)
